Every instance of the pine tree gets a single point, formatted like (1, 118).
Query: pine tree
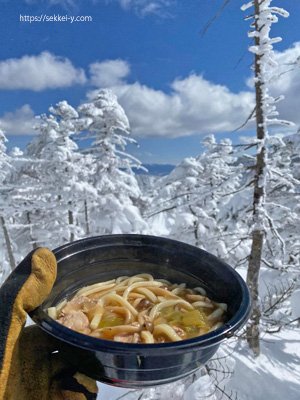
(190, 200)
(62, 171)
(5, 169)
(282, 206)
(49, 181)
(118, 194)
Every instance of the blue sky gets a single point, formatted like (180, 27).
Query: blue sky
(174, 84)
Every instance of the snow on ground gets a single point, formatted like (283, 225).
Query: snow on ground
(275, 375)
(200, 389)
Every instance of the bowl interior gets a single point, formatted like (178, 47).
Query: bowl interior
(102, 258)
(139, 365)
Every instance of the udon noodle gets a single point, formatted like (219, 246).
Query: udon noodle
(140, 309)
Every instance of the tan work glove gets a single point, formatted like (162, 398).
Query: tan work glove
(30, 366)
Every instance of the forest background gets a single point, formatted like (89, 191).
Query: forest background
(235, 193)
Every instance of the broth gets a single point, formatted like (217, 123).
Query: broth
(140, 309)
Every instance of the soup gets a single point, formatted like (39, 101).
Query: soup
(140, 309)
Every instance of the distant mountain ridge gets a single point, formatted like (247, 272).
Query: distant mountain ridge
(156, 169)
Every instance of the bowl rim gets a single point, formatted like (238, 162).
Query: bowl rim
(83, 341)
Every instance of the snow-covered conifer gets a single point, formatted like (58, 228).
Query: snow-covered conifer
(282, 205)
(51, 180)
(64, 174)
(5, 164)
(115, 210)
(5, 169)
(188, 202)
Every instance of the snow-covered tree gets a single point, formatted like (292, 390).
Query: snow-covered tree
(264, 15)
(51, 181)
(72, 170)
(118, 194)
(221, 179)
(282, 206)
(169, 211)
(61, 171)
(5, 169)
(190, 199)
(5, 164)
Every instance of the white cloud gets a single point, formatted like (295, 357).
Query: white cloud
(44, 71)
(109, 73)
(194, 105)
(18, 122)
(288, 83)
(141, 7)
(146, 7)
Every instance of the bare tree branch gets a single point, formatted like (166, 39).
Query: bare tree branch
(215, 16)
(251, 115)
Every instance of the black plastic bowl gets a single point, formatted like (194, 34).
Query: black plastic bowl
(138, 365)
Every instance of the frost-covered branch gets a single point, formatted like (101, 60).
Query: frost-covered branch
(276, 295)
(264, 64)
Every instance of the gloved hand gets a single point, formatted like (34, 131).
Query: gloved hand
(30, 366)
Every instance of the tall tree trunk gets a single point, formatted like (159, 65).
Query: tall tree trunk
(32, 240)
(71, 222)
(252, 330)
(11, 258)
(258, 202)
(196, 226)
(86, 215)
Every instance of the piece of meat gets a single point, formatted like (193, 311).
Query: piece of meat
(144, 304)
(180, 332)
(75, 319)
(80, 303)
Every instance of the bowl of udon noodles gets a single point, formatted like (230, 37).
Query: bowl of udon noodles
(137, 310)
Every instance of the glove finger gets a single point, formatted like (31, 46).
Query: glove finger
(41, 279)
(25, 289)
